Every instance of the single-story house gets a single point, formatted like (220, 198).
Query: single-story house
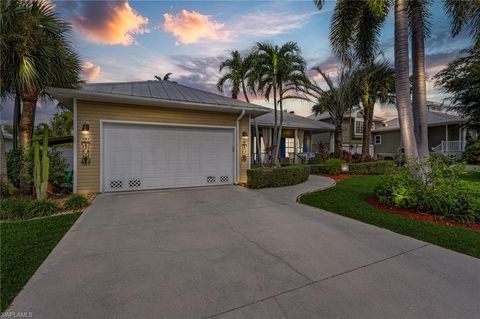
(297, 132)
(446, 134)
(156, 134)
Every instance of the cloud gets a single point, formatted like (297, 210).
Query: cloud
(264, 24)
(90, 71)
(110, 22)
(191, 27)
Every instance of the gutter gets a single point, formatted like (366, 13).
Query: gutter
(237, 147)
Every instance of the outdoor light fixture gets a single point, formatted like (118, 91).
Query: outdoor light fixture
(244, 134)
(85, 127)
(344, 168)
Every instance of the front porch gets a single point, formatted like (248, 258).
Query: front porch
(453, 139)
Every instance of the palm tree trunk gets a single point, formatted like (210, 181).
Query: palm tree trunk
(338, 138)
(275, 129)
(367, 129)
(280, 127)
(419, 90)
(16, 119)
(402, 83)
(26, 124)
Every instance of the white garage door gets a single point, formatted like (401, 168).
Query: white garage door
(137, 156)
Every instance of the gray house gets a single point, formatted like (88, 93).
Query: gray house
(446, 135)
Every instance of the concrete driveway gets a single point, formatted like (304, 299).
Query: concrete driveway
(230, 252)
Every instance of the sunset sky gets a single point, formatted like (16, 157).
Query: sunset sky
(134, 40)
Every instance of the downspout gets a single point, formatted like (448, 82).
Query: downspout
(237, 146)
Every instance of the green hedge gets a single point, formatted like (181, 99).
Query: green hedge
(277, 177)
(367, 168)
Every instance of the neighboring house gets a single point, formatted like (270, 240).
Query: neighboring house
(446, 134)
(156, 134)
(7, 140)
(296, 137)
(352, 128)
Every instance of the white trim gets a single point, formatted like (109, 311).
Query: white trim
(375, 139)
(250, 141)
(355, 127)
(237, 147)
(235, 134)
(75, 144)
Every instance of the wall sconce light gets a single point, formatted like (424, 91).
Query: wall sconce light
(244, 134)
(345, 168)
(85, 127)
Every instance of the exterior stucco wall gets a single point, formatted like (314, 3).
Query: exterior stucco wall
(88, 176)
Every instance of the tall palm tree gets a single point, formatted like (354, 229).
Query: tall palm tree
(166, 77)
(402, 82)
(354, 36)
(277, 68)
(376, 83)
(35, 54)
(336, 100)
(239, 76)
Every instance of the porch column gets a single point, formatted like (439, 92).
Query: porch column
(464, 138)
(446, 139)
(295, 146)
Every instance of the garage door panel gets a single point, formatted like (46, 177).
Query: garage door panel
(165, 156)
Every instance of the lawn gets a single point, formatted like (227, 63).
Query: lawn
(472, 180)
(24, 246)
(347, 199)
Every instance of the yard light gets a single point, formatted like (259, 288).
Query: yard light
(345, 167)
(244, 134)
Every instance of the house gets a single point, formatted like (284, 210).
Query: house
(352, 128)
(446, 135)
(156, 134)
(297, 133)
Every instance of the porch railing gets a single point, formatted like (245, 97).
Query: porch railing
(450, 146)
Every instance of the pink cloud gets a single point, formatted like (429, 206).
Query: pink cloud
(90, 71)
(191, 27)
(110, 22)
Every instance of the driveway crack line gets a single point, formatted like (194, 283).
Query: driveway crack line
(317, 281)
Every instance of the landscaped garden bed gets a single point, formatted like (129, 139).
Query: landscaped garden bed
(347, 198)
(277, 177)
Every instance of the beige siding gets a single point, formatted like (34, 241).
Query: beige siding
(390, 142)
(88, 176)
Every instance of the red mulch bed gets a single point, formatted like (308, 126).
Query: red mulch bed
(337, 177)
(418, 215)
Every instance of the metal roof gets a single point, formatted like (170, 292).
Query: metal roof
(160, 93)
(433, 119)
(326, 115)
(294, 121)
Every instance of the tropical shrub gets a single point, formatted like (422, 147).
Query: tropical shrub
(347, 156)
(14, 208)
(75, 202)
(6, 188)
(434, 187)
(277, 177)
(472, 152)
(334, 166)
(58, 167)
(44, 207)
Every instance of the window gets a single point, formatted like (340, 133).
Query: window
(289, 143)
(358, 129)
(377, 139)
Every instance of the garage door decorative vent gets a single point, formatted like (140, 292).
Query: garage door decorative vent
(223, 179)
(116, 184)
(211, 179)
(134, 183)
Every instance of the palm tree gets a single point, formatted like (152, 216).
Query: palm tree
(166, 77)
(277, 69)
(336, 100)
(35, 54)
(354, 35)
(465, 15)
(376, 84)
(402, 82)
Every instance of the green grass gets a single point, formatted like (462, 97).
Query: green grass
(24, 246)
(347, 199)
(472, 180)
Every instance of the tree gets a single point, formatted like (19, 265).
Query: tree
(376, 82)
(336, 100)
(35, 54)
(239, 74)
(461, 79)
(465, 15)
(276, 69)
(166, 77)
